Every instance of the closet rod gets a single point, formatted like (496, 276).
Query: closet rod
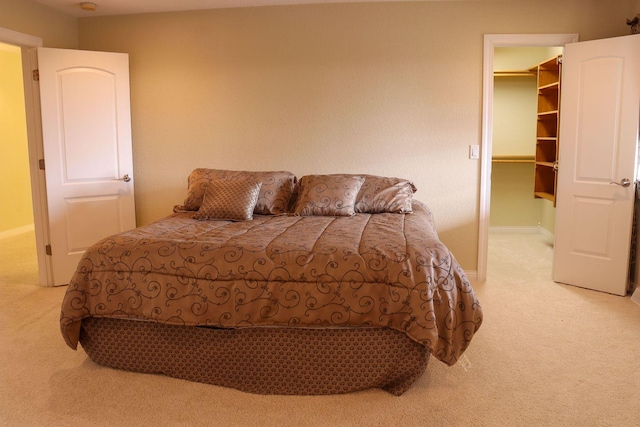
(513, 159)
(523, 73)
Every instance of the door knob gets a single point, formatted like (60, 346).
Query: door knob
(125, 178)
(624, 182)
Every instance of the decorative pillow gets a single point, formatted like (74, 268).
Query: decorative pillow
(274, 197)
(229, 200)
(381, 194)
(328, 195)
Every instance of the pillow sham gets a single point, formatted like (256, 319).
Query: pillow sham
(380, 194)
(229, 200)
(327, 195)
(274, 197)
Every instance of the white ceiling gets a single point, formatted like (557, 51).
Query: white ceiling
(126, 7)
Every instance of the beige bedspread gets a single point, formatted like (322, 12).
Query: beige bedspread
(388, 270)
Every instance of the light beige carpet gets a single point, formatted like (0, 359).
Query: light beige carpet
(547, 355)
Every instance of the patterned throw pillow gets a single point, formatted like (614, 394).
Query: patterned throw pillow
(229, 200)
(275, 193)
(380, 194)
(327, 195)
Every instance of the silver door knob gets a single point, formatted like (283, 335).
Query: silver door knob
(624, 182)
(125, 178)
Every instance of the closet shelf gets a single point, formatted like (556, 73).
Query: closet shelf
(545, 195)
(555, 86)
(546, 164)
(547, 141)
(547, 115)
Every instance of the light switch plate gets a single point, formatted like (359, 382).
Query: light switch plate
(474, 152)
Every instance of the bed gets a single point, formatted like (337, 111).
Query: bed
(263, 283)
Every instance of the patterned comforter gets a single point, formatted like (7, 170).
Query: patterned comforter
(369, 270)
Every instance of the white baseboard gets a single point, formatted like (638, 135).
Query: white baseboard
(546, 234)
(514, 229)
(635, 297)
(16, 231)
(472, 275)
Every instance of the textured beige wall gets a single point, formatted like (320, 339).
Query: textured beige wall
(514, 134)
(28, 17)
(15, 183)
(548, 216)
(384, 88)
(512, 200)
(514, 116)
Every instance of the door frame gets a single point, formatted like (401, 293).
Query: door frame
(492, 41)
(28, 45)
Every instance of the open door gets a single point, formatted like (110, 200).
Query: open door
(86, 132)
(599, 124)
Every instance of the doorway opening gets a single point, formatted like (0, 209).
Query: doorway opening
(18, 258)
(491, 43)
(30, 113)
(521, 222)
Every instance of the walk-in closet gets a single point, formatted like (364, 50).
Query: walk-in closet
(524, 141)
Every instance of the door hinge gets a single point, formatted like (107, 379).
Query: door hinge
(47, 249)
(41, 164)
(559, 59)
(36, 75)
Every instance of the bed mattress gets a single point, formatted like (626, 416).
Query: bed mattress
(366, 271)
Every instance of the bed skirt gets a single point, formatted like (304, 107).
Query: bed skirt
(290, 361)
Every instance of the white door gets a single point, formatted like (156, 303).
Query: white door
(599, 118)
(86, 131)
